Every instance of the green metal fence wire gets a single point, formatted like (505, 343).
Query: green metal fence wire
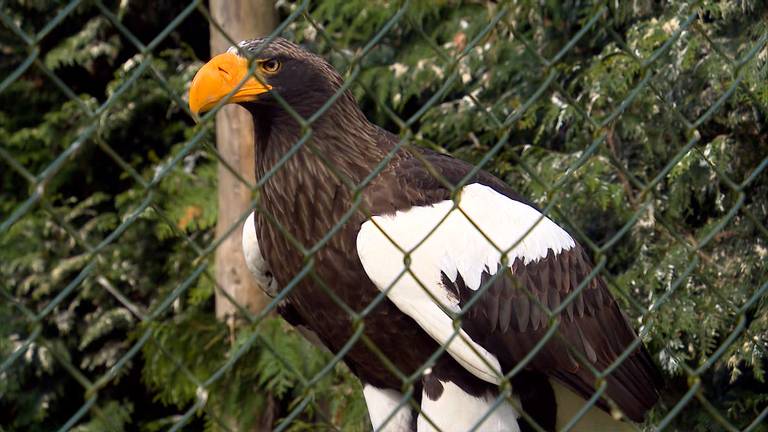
(601, 130)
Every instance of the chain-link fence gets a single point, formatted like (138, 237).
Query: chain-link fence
(640, 128)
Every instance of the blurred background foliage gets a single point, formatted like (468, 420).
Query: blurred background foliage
(690, 244)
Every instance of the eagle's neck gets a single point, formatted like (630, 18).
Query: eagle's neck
(309, 189)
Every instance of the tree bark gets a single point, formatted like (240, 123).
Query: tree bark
(240, 19)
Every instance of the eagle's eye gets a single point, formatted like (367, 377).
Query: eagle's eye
(270, 66)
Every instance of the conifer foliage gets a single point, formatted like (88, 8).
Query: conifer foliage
(641, 126)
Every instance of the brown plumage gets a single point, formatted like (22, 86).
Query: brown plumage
(319, 189)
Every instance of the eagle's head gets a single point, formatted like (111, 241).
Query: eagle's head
(304, 80)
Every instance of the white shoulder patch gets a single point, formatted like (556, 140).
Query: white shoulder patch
(255, 260)
(381, 404)
(448, 242)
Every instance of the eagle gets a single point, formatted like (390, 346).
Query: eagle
(456, 285)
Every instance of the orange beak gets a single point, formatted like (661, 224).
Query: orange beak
(218, 78)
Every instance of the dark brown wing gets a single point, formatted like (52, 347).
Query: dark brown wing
(510, 318)
(509, 323)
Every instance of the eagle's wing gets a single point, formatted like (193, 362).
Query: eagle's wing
(454, 252)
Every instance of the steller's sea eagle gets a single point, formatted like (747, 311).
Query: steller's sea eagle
(484, 239)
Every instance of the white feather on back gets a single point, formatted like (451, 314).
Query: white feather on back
(457, 411)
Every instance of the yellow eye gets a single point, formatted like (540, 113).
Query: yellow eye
(270, 66)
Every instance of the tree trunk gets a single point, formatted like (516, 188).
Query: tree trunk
(240, 19)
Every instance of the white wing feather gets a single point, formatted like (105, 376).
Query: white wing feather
(456, 246)
(255, 260)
